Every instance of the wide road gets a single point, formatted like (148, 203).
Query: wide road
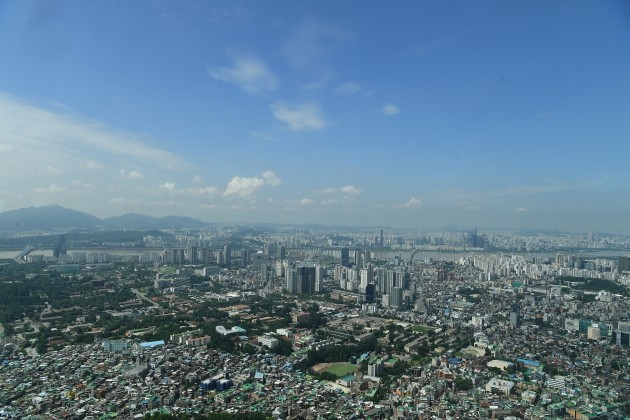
(143, 297)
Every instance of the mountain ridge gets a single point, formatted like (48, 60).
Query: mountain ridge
(58, 217)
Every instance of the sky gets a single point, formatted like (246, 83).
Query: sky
(416, 114)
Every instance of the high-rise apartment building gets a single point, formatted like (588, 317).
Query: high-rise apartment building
(306, 280)
(515, 313)
(624, 264)
(345, 257)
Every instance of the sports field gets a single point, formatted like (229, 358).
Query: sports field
(338, 369)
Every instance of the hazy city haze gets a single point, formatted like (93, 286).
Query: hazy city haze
(416, 114)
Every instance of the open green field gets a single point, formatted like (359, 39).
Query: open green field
(422, 329)
(341, 369)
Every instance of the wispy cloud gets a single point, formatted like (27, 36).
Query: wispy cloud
(248, 73)
(350, 190)
(299, 117)
(92, 165)
(51, 189)
(412, 202)
(312, 42)
(49, 170)
(47, 136)
(390, 109)
(349, 88)
(130, 175)
(520, 210)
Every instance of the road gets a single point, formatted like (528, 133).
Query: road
(143, 297)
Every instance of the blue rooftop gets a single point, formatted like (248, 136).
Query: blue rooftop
(150, 344)
(528, 362)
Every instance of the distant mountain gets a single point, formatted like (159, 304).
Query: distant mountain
(139, 221)
(57, 217)
(46, 217)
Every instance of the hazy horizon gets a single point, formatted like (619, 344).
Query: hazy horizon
(512, 115)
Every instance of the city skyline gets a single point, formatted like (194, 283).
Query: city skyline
(484, 114)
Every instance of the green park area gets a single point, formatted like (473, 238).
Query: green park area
(341, 369)
(422, 329)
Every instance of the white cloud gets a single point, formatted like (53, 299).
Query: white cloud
(130, 175)
(50, 171)
(51, 189)
(520, 210)
(77, 185)
(168, 186)
(305, 202)
(299, 117)
(271, 178)
(68, 140)
(197, 179)
(412, 202)
(390, 109)
(170, 189)
(243, 187)
(349, 88)
(350, 189)
(250, 74)
(92, 165)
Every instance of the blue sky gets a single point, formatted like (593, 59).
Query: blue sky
(416, 114)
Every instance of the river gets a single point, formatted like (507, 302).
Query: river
(420, 255)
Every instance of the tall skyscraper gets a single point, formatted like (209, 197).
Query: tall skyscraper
(624, 264)
(396, 298)
(370, 293)
(306, 280)
(227, 251)
(60, 247)
(345, 257)
(244, 257)
(319, 278)
(291, 280)
(192, 255)
(515, 314)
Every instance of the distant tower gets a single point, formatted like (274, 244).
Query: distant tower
(370, 293)
(227, 251)
(345, 257)
(291, 280)
(515, 313)
(319, 278)
(192, 255)
(396, 298)
(244, 257)
(382, 241)
(60, 248)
